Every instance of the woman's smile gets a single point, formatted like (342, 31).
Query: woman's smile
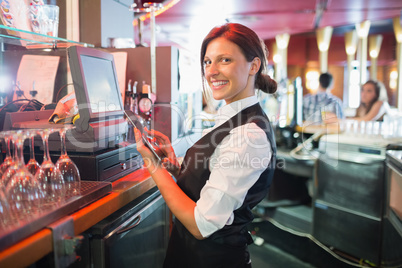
(216, 85)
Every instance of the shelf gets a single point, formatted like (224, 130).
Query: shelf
(31, 40)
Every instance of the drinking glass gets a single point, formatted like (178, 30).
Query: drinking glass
(328, 113)
(369, 128)
(49, 19)
(67, 167)
(8, 161)
(14, 165)
(23, 191)
(377, 126)
(48, 175)
(32, 165)
(362, 127)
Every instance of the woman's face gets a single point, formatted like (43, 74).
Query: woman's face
(227, 71)
(367, 94)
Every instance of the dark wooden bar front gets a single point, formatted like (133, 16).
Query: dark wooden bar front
(40, 244)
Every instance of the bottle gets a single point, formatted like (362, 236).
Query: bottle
(128, 96)
(134, 101)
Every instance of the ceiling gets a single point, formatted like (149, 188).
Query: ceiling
(187, 22)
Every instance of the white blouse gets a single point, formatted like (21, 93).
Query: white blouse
(235, 166)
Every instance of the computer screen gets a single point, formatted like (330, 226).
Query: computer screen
(95, 83)
(101, 87)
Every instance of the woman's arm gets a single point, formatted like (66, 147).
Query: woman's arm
(177, 201)
(375, 109)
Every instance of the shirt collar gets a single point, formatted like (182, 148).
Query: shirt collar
(323, 93)
(229, 110)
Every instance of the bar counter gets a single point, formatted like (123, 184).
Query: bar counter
(38, 245)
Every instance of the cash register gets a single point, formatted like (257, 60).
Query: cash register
(101, 120)
(96, 144)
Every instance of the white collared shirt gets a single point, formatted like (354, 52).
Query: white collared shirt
(235, 166)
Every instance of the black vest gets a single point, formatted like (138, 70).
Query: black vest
(194, 174)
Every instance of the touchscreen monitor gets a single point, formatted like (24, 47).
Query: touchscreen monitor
(103, 95)
(95, 83)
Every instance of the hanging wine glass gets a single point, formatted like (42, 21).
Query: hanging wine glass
(10, 171)
(67, 167)
(8, 160)
(32, 165)
(23, 191)
(48, 175)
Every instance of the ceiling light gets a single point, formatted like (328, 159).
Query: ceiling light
(282, 40)
(351, 42)
(277, 58)
(324, 37)
(373, 54)
(397, 29)
(363, 28)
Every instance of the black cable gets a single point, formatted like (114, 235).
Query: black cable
(37, 103)
(25, 106)
(34, 103)
(58, 92)
(14, 101)
(22, 108)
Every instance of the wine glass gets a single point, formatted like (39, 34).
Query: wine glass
(32, 165)
(67, 167)
(9, 160)
(48, 175)
(23, 191)
(14, 165)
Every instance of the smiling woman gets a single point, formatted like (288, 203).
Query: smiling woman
(220, 181)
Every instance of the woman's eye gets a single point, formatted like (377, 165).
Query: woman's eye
(207, 62)
(225, 60)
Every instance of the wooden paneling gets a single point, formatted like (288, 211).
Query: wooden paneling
(90, 22)
(338, 74)
(297, 50)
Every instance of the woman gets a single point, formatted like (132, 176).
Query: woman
(229, 170)
(373, 102)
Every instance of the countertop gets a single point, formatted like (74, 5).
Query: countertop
(38, 245)
(291, 165)
(124, 190)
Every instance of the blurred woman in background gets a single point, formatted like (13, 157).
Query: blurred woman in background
(373, 102)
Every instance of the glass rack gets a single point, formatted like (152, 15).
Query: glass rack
(31, 40)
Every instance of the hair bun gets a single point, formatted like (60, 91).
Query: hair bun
(266, 83)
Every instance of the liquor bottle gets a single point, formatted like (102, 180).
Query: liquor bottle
(134, 100)
(128, 96)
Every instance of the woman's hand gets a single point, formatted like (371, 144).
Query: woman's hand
(145, 152)
(170, 161)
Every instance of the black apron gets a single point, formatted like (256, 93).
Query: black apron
(226, 247)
